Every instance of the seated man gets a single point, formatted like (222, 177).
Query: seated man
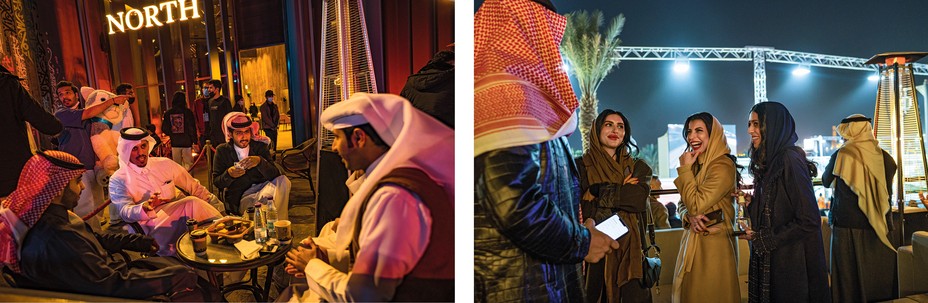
(59, 252)
(143, 190)
(408, 186)
(244, 169)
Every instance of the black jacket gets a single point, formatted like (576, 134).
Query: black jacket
(235, 187)
(217, 110)
(431, 89)
(270, 115)
(16, 108)
(180, 125)
(61, 253)
(528, 242)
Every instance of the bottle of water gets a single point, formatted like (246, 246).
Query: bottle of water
(271, 216)
(260, 225)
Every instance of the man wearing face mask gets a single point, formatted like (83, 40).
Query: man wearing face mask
(270, 118)
(128, 90)
(217, 107)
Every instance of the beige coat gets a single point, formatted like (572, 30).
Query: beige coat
(707, 268)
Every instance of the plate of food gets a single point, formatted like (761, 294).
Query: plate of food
(230, 229)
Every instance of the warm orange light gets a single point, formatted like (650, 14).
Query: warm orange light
(891, 60)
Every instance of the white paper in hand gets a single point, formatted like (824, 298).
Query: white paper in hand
(613, 227)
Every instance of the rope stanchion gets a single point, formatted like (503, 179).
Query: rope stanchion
(200, 156)
(97, 210)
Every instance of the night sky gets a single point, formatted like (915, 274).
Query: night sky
(651, 95)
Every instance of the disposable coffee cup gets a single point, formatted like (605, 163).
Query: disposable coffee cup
(283, 231)
(198, 237)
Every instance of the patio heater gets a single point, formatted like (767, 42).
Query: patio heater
(897, 125)
(346, 69)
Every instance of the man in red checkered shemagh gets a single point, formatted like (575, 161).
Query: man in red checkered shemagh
(49, 247)
(528, 241)
(41, 183)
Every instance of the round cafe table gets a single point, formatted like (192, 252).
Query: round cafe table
(222, 257)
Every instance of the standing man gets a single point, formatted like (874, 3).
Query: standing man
(17, 108)
(201, 114)
(75, 140)
(126, 89)
(528, 242)
(239, 104)
(218, 107)
(407, 157)
(143, 190)
(863, 260)
(244, 169)
(270, 118)
(178, 124)
(253, 111)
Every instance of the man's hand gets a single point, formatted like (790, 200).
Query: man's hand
(235, 172)
(250, 162)
(154, 247)
(295, 272)
(600, 243)
(147, 206)
(119, 100)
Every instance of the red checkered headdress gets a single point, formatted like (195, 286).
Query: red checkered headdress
(44, 177)
(522, 94)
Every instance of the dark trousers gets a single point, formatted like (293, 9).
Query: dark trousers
(596, 291)
(271, 133)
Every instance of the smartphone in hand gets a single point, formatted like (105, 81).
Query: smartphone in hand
(613, 227)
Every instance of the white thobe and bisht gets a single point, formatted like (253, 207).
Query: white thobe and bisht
(131, 185)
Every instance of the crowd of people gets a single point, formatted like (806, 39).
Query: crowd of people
(50, 241)
(536, 208)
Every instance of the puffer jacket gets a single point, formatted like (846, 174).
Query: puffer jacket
(528, 242)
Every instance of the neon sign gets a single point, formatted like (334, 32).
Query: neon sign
(135, 19)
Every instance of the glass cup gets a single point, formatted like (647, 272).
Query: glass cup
(283, 231)
(198, 237)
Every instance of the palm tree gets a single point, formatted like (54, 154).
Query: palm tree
(590, 57)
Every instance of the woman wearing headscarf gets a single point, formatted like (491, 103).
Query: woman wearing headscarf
(613, 181)
(707, 263)
(787, 253)
(863, 261)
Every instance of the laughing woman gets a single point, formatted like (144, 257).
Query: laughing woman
(706, 265)
(614, 182)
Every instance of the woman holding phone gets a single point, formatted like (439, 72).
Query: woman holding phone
(707, 262)
(787, 253)
(613, 181)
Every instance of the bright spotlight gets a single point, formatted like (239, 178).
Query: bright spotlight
(801, 70)
(873, 77)
(681, 66)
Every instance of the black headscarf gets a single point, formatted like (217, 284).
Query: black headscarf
(778, 135)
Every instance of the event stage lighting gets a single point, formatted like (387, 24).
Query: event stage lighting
(801, 70)
(681, 65)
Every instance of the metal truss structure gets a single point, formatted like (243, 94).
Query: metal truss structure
(758, 54)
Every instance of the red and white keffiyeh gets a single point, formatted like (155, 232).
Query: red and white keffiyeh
(522, 94)
(39, 183)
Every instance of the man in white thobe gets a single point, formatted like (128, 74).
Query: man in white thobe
(140, 177)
